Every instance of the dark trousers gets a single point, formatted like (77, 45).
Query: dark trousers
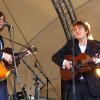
(3, 91)
(63, 90)
(82, 92)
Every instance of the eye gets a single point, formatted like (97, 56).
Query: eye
(2, 18)
(81, 28)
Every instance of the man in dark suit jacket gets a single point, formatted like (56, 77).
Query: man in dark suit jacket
(6, 57)
(87, 84)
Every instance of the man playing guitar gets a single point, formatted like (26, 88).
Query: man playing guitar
(86, 54)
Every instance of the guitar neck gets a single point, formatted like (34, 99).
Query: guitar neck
(20, 55)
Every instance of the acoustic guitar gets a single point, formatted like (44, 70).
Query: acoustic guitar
(82, 64)
(5, 68)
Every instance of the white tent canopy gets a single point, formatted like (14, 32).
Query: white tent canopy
(36, 23)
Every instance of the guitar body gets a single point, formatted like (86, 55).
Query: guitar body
(5, 68)
(4, 72)
(67, 74)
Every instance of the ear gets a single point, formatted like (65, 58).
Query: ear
(87, 31)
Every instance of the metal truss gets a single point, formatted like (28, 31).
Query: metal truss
(66, 15)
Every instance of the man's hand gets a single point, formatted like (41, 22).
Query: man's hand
(7, 57)
(96, 59)
(68, 64)
(28, 52)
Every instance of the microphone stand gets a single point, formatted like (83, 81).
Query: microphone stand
(15, 72)
(73, 71)
(44, 74)
(36, 79)
(37, 64)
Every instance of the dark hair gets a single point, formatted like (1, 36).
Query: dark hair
(4, 19)
(2, 14)
(80, 23)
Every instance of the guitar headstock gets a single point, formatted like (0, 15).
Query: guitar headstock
(32, 49)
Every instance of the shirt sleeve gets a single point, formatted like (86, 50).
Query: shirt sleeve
(1, 55)
(63, 65)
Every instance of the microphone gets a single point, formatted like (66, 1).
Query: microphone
(37, 78)
(8, 26)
